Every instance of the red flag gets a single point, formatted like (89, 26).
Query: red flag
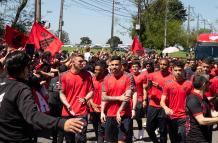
(43, 39)
(137, 48)
(14, 38)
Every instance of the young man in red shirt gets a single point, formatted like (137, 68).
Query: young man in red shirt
(156, 117)
(95, 110)
(76, 90)
(140, 81)
(117, 90)
(173, 99)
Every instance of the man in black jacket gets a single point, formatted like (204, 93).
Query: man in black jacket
(19, 113)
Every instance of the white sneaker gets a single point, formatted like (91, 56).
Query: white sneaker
(157, 132)
(144, 124)
(141, 134)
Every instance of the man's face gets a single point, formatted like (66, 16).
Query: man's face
(98, 71)
(77, 63)
(115, 67)
(148, 67)
(199, 70)
(164, 65)
(192, 63)
(135, 68)
(178, 72)
(206, 68)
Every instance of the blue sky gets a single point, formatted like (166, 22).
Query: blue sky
(79, 22)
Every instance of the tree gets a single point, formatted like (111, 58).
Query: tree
(1, 31)
(64, 37)
(17, 12)
(85, 41)
(115, 40)
(152, 23)
(21, 6)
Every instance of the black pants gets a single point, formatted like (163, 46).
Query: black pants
(139, 114)
(55, 111)
(115, 132)
(98, 126)
(156, 118)
(177, 130)
(78, 137)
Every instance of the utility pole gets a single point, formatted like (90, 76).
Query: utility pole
(198, 19)
(35, 13)
(188, 25)
(138, 26)
(61, 22)
(112, 27)
(38, 10)
(204, 21)
(165, 24)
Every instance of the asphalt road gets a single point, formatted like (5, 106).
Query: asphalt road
(91, 136)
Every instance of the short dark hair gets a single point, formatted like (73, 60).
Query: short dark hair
(102, 64)
(136, 63)
(113, 58)
(208, 61)
(16, 62)
(199, 81)
(178, 63)
(46, 55)
(165, 59)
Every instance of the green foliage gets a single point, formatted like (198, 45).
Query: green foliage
(18, 14)
(20, 27)
(1, 30)
(115, 41)
(85, 41)
(64, 38)
(200, 31)
(152, 24)
(177, 11)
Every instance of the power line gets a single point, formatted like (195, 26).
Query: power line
(108, 5)
(105, 10)
(81, 5)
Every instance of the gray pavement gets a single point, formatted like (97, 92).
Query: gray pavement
(91, 136)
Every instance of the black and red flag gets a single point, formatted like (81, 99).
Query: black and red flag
(14, 38)
(43, 39)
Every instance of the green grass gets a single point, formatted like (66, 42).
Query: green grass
(71, 49)
(179, 54)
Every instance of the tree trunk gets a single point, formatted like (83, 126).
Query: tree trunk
(22, 5)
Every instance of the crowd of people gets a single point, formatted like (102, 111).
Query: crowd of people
(66, 91)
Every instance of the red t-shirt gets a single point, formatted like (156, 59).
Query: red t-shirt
(213, 87)
(116, 87)
(97, 92)
(140, 79)
(176, 95)
(76, 86)
(156, 92)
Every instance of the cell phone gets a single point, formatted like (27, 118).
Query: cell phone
(30, 49)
